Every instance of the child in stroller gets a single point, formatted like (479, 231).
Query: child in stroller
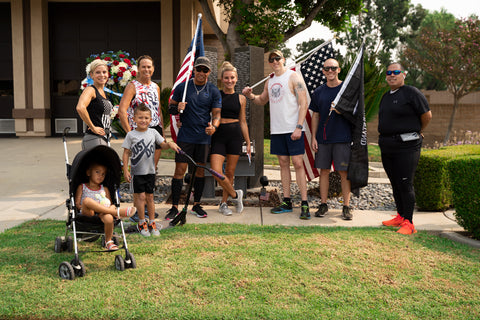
(92, 198)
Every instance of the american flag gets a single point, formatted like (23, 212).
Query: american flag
(311, 71)
(194, 51)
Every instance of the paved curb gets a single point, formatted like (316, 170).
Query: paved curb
(455, 236)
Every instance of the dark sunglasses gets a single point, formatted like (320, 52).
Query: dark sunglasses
(274, 59)
(395, 72)
(202, 69)
(330, 68)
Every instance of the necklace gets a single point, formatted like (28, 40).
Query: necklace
(198, 91)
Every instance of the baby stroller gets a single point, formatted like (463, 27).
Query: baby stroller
(90, 228)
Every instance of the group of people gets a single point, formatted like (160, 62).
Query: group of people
(212, 122)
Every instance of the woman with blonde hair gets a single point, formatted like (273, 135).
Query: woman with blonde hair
(228, 139)
(94, 108)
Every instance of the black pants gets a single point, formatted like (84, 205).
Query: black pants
(400, 168)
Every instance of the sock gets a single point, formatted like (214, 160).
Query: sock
(304, 203)
(141, 221)
(176, 190)
(198, 186)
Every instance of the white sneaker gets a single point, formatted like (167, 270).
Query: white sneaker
(239, 200)
(223, 209)
(152, 228)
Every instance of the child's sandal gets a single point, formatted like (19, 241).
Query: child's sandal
(111, 246)
(131, 211)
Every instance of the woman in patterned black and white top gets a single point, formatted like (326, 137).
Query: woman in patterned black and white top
(94, 108)
(142, 90)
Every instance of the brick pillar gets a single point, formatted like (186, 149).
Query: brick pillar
(212, 55)
(249, 64)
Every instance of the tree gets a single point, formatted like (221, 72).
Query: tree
(417, 76)
(267, 23)
(451, 56)
(384, 25)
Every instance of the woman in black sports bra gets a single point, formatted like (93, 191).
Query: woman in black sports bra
(228, 139)
(94, 108)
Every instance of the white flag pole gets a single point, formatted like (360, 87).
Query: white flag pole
(301, 57)
(190, 67)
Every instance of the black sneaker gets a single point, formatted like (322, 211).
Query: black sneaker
(322, 210)
(171, 214)
(347, 213)
(282, 208)
(198, 211)
(305, 214)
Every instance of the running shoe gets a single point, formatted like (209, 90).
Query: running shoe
(223, 209)
(282, 208)
(152, 228)
(322, 210)
(239, 200)
(171, 214)
(407, 228)
(143, 229)
(347, 213)
(395, 222)
(198, 211)
(305, 213)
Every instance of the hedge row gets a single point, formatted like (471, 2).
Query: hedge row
(433, 190)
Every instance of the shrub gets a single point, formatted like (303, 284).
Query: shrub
(464, 174)
(432, 185)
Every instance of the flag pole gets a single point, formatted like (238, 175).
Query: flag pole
(190, 67)
(301, 57)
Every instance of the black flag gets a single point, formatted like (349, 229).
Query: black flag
(350, 103)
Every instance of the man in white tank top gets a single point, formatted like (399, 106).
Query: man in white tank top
(287, 95)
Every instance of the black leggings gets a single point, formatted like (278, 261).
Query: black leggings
(400, 168)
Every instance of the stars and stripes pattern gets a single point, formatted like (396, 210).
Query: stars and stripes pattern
(311, 71)
(194, 51)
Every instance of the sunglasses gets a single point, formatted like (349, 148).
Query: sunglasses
(330, 68)
(202, 69)
(274, 59)
(395, 72)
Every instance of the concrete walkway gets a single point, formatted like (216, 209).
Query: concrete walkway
(33, 185)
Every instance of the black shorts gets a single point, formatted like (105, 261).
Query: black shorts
(228, 139)
(199, 152)
(143, 183)
(160, 130)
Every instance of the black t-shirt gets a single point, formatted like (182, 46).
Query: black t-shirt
(400, 111)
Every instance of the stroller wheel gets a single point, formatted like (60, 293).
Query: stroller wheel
(65, 271)
(78, 269)
(69, 244)
(130, 261)
(119, 263)
(58, 244)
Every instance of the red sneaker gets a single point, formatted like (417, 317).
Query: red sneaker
(395, 222)
(407, 228)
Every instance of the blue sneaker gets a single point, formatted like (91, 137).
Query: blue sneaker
(282, 208)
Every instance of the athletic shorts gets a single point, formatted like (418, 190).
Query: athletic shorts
(228, 139)
(144, 183)
(283, 145)
(336, 153)
(199, 152)
(160, 130)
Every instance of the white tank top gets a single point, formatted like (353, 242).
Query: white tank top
(283, 104)
(148, 95)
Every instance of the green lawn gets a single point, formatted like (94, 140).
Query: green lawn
(221, 271)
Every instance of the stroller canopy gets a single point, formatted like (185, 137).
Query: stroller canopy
(102, 155)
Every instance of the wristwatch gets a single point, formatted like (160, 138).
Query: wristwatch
(299, 126)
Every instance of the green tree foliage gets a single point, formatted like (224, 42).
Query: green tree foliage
(451, 56)
(267, 23)
(417, 76)
(384, 25)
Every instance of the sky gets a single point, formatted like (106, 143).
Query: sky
(459, 8)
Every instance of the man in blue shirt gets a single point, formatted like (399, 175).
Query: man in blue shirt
(331, 138)
(200, 118)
